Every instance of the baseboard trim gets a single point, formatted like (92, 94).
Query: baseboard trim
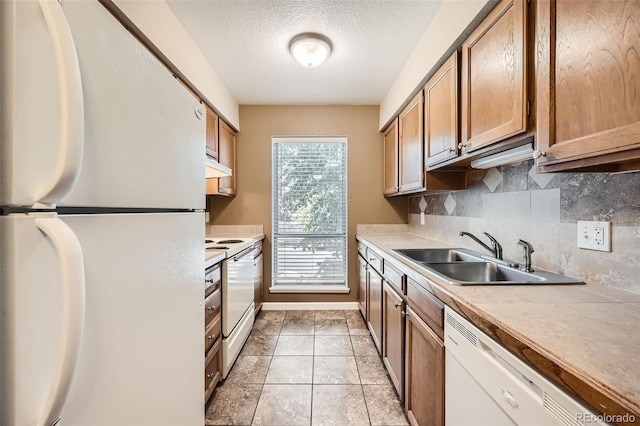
(309, 306)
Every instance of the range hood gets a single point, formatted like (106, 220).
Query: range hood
(215, 169)
(513, 155)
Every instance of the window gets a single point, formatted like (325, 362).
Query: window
(309, 213)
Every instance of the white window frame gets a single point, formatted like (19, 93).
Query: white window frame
(309, 288)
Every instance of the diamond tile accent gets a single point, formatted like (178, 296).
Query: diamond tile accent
(542, 179)
(422, 204)
(492, 179)
(450, 204)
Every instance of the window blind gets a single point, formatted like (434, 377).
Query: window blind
(309, 211)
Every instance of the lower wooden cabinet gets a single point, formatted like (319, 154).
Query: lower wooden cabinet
(374, 321)
(363, 287)
(212, 341)
(212, 369)
(424, 389)
(393, 337)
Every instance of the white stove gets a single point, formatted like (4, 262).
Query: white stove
(231, 246)
(238, 270)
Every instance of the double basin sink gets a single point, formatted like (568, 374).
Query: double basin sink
(466, 267)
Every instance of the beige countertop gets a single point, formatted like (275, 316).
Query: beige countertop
(585, 338)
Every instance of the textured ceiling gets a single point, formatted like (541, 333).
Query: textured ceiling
(246, 42)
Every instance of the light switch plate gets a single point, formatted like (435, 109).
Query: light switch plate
(206, 217)
(594, 235)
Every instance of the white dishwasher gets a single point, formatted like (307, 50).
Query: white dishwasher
(485, 385)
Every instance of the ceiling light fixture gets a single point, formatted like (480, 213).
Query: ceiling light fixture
(310, 49)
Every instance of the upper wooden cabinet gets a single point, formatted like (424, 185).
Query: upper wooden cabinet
(494, 77)
(226, 156)
(212, 134)
(411, 145)
(390, 161)
(441, 133)
(588, 84)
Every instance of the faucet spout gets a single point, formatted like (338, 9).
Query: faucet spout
(495, 249)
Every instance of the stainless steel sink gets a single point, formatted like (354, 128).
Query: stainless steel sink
(438, 255)
(483, 272)
(466, 267)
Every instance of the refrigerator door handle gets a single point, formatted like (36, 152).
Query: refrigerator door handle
(69, 160)
(71, 262)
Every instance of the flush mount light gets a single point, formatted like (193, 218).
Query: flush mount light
(310, 49)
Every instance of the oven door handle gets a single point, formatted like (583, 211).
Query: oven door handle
(242, 254)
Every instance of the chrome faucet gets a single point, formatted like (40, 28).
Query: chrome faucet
(495, 249)
(528, 249)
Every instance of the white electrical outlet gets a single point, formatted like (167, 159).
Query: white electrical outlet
(594, 235)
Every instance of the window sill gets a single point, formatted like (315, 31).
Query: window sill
(283, 288)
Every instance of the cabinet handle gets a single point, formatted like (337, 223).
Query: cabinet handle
(209, 280)
(451, 150)
(462, 146)
(211, 375)
(211, 308)
(212, 337)
(397, 304)
(404, 314)
(537, 154)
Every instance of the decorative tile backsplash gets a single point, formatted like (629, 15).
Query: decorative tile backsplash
(583, 196)
(514, 202)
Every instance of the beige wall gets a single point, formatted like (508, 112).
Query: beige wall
(252, 205)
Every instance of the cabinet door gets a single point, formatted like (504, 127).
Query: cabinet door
(375, 308)
(212, 134)
(411, 147)
(441, 134)
(494, 77)
(258, 283)
(227, 156)
(362, 287)
(587, 81)
(390, 160)
(424, 391)
(393, 337)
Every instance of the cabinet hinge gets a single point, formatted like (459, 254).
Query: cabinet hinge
(528, 109)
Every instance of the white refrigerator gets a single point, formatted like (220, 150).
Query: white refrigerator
(101, 227)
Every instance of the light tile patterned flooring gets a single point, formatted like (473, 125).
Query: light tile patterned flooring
(307, 368)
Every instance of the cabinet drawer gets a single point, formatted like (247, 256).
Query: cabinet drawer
(394, 277)
(429, 307)
(212, 333)
(212, 306)
(362, 249)
(212, 370)
(374, 260)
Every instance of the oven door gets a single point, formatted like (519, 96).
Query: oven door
(237, 289)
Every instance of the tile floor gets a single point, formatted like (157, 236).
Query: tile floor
(307, 368)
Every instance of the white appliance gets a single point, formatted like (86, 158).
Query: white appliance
(485, 385)
(237, 295)
(101, 195)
